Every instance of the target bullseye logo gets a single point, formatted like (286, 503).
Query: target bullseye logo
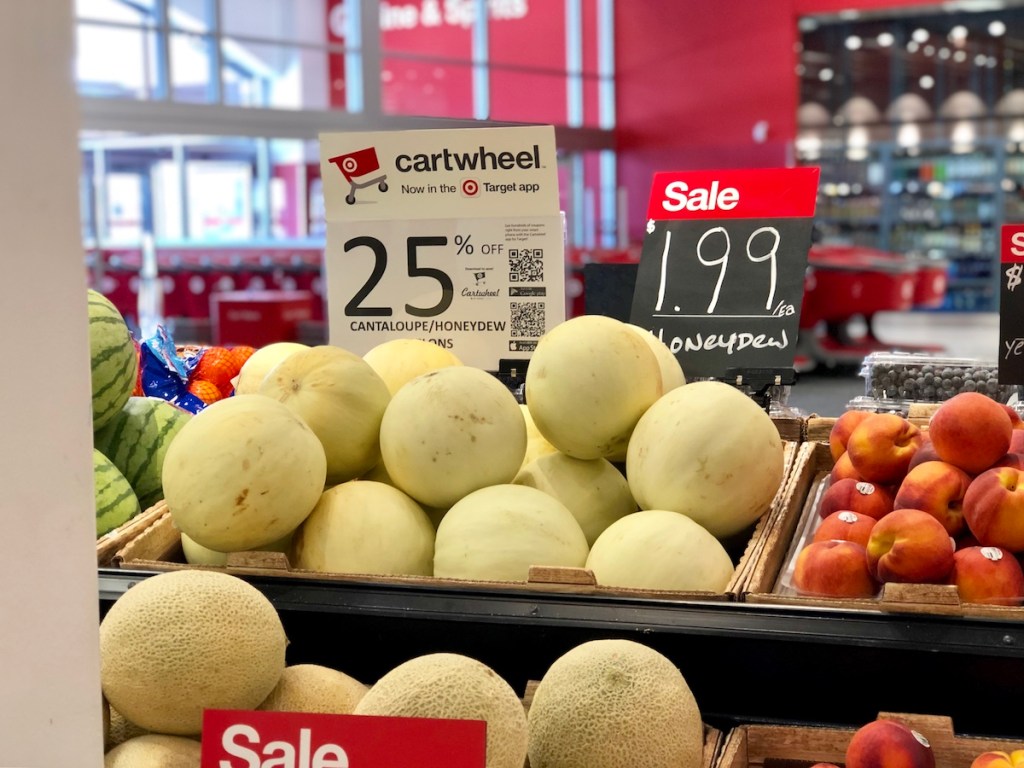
(349, 165)
(470, 187)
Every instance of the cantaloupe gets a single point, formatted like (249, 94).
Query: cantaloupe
(242, 473)
(614, 703)
(315, 688)
(498, 532)
(183, 641)
(121, 728)
(708, 451)
(659, 549)
(260, 362)
(399, 361)
(364, 526)
(453, 686)
(341, 398)
(590, 380)
(155, 751)
(595, 491)
(449, 432)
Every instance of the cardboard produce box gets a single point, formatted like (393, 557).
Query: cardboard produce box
(763, 746)
(158, 548)
(771, 573)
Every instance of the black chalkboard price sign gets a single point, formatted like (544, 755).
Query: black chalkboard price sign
(721, 273)
(1011, 304)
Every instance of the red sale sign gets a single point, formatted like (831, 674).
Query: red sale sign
(257, 739)
(750, 193)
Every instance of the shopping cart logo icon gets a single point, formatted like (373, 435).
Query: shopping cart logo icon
(360, 169)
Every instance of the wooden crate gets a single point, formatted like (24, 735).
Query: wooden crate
(108, 545)
(158, 548)
(774, 746)
(775, 560)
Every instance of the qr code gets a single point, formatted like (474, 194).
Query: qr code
(527, 319)
(526, 265)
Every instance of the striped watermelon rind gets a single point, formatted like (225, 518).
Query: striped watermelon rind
(116, 502)
(115, 362)
(136, 439)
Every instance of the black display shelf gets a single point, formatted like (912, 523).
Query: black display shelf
(745, 662)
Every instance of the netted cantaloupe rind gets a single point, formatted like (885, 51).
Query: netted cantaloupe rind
(155, 751)
(184, 641)
(315, 688)
(453, 686)
(612, 703)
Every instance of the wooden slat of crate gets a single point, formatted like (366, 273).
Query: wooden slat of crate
(158, 548)
(766, 746)
(108, 545)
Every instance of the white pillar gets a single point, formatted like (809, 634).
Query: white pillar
(49, 644)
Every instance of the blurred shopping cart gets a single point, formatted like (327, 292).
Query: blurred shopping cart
(361, 163)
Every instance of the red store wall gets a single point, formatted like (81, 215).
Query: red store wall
(696, 79)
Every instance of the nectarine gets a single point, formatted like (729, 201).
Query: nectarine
(910, 546)
(888, 744)
(994, 508)
(857, 496)
(833, 568)
(881, 447)
(938, 488)
(841, 430)
(971, 431)
(987, 575)
(845, 526)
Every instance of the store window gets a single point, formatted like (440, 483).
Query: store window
(225, 69)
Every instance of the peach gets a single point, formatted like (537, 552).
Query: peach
(845, 526)
(1015, 460)
(841, 430)
(971, 431)
(882, 445)
(857, 496)
(938, 488)
(833, 569)
(888, 744)
(994, 508)
(910, 545)
(1015, 420)
(987, 575)
(843, 468)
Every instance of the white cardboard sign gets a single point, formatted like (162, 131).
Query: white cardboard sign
(451, 236)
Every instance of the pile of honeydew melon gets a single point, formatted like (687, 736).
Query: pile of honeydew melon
(406, 462)
(181, 642)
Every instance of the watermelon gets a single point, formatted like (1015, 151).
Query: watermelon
(136, 439)
(116, 503)
(115, 362)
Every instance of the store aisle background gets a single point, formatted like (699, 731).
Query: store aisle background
(963, 335)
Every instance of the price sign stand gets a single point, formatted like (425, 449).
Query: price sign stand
(721, 273)
(1011, 305)
(450, 236)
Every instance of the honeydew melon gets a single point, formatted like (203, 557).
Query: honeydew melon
(672, 375)
(399, 361)
(707, 451)
(498, 532)
(590, 380)
(341, 398)
(594, 491)
(450, 432)
(364, 526)
(242, 473)
(260, 362)
(659, 549)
